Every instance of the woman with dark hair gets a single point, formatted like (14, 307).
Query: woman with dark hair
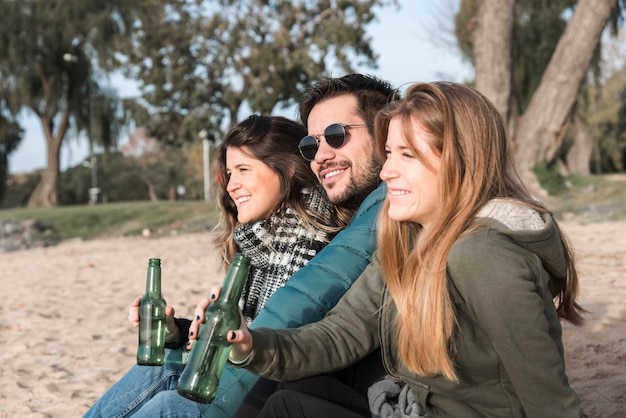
(274, 211)
(272, 206)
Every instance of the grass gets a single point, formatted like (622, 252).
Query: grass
(117, 219)
(586, 199)
(591, 199)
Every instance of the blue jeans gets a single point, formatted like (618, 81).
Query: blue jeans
(147, 391)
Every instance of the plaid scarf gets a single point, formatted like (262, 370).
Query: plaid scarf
(278, 247)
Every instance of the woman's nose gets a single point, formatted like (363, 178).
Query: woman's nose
(232, 185)
(387, 171)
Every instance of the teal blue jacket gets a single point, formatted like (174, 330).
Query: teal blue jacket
(308, 295)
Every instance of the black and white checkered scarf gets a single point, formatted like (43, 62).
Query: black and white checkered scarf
(278, 247)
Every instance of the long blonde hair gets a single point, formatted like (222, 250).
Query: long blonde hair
(469, 135)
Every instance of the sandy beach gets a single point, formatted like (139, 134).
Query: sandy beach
(64, 337)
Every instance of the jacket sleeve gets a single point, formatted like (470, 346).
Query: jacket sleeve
(183, 336)
(308, 295)
(348, 333)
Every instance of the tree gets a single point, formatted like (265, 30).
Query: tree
(159, 166)
(604, 107)
(201, 63)
(51, 55)
(614, 139)
(10, 137)
(541, 129)
(580, 152)
(538, 131)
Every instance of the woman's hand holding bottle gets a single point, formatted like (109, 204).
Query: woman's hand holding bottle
(240, 339)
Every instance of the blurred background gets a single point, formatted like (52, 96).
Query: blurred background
(111, 102)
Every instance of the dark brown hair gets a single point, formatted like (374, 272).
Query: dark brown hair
(273, 140)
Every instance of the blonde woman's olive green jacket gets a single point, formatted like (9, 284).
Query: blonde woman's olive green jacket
(508, 349)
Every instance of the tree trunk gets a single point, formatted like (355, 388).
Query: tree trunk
(491, 40)
(45, 193)
(542, 126)
(579, 156)
(151, 190)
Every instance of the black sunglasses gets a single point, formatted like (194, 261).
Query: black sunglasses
(335, 135)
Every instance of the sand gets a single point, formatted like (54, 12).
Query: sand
(64, 337)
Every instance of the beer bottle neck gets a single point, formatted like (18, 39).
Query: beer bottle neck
(235, 280)
(153, 280)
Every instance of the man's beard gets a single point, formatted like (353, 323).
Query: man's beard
(359, 186)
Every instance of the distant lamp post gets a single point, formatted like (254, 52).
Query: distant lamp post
(206, 163)
(94, 190)
(91, 162)
(71, 58)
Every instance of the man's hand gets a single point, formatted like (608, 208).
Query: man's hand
(172, 330)
(133, 312)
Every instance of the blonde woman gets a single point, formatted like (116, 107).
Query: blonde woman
(470, 282)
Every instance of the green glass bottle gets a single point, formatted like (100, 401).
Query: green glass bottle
(151, 349)
(209, 353)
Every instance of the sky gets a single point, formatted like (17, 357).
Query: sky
(414, 43)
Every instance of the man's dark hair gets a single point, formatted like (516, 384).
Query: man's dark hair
(371, 92)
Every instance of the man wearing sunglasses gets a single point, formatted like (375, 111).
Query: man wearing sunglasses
(340, 143)
(339, 115)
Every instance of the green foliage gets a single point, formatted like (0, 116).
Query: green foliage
(464, 22)
(200, 63)
(118, 219)
(10, 137)
(51, 51)
(603, 108)
(618, 151)
(591, 198)
(588, 198)
(605, 111)
(538, 26)
(609, 149)
(52, 61)
(117, 177)
(617, 17)
(584, 198)
(120, 178)
(19, 188)
(549, 177)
